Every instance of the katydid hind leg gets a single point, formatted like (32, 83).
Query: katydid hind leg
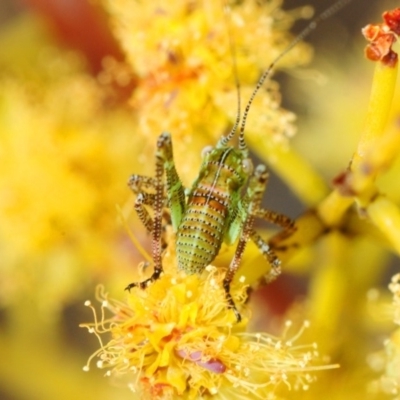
(157, 201)
(255, 190)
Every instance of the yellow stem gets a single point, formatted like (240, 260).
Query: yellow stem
(298, 174)
(383, 85)
(336, 204)
(386, 216)
(328, 286)
(347, 269)
(376, 148)
(333, 207)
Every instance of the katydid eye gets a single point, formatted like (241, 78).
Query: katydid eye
(206, 150)
(247, 165)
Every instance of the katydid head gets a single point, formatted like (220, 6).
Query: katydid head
(236, 157)
(229, 158)
(228, 164)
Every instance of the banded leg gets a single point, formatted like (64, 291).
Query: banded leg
(139, 182)
(163, 162)
(255, 190)
(144, 187)
(234, 265)
(269, 255)
(175, 190)
(288, 229)
(141, 200)
(278, 219)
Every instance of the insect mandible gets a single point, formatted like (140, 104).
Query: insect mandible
(222, 203)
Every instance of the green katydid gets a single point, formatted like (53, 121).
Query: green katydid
(223, 202)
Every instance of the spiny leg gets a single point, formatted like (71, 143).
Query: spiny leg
(158, 208)
(269, 255)
(234, 265)
(289, 228)
(141, 200)
(281, 220)
(138, 184)
(175, 190)
(158, 203)
(255, 190)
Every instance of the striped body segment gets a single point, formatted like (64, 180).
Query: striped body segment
(200, 235)
(211, 208)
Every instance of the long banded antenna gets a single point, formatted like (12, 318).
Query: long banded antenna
(225, 139)
(302, 35)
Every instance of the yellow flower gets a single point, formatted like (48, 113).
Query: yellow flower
(65, 157)
(395, 289)
(182, 54)
(178, 338)
(390, 382)
(389, 358)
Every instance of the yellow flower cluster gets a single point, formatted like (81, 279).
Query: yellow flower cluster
(183, 57)
(388, 359)
(64, 164)
(178, 339)
(390, 381)
(395, 289)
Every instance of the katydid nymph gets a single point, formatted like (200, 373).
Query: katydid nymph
(223, 202)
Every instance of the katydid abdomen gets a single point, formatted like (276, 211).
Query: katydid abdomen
(209, 211)
(201, 232)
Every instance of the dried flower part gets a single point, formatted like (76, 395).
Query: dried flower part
(392, 20)
(382, 37)
(178, 338)
(376, 150)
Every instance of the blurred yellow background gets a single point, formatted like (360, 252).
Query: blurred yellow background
(69, 141)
